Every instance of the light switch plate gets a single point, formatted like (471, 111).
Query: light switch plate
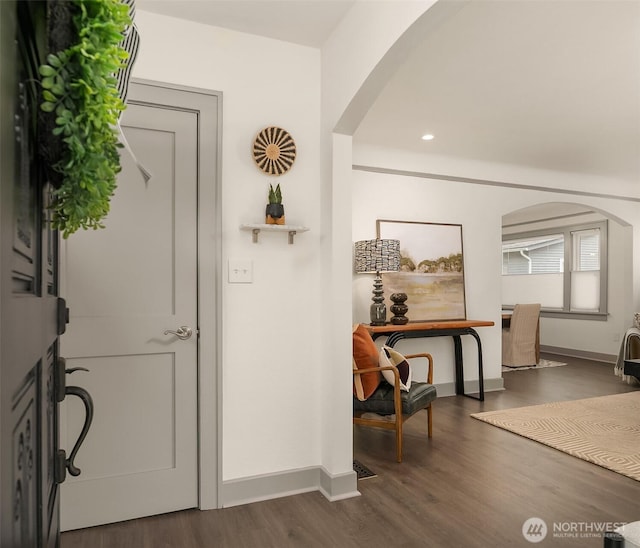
(240, 271)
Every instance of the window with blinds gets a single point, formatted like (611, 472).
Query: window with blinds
(533, 269)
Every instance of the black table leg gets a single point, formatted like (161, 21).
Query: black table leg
(396, 336)
(457, 346)
(480, 396)
(457, 349)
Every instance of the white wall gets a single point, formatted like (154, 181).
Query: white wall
(270, 362)
(356, 62)
(300, 291)
(594, 336)
(298, 298)
(383, 196)
(366, 49)
(479, 208)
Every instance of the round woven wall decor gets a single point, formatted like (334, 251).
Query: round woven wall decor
(274, 150)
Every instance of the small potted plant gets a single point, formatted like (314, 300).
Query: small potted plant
(275, 209)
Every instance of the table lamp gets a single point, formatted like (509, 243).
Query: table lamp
(377, 256)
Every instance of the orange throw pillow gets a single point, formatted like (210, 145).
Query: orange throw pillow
(365, 356)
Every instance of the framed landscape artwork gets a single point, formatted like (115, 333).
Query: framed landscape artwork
(431, 269)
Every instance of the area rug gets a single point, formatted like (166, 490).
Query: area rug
(541, 364)
(603, 430)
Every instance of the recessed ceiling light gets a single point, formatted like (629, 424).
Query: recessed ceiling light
(427, 137)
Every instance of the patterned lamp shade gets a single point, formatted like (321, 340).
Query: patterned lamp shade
(377, 256)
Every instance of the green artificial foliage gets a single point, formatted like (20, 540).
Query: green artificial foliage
(80, 89)
(275, 196)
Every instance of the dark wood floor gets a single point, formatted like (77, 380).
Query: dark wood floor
(471, 485)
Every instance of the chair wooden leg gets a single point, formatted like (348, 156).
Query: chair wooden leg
(429, 423)
(399, 438)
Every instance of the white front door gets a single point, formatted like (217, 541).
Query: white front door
(125, 286)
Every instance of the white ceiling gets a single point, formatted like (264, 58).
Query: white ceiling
(549, 84)
(305, 22)
(553, 84)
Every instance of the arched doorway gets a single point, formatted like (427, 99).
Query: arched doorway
(576, 260)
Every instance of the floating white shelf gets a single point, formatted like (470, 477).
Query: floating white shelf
(290, 229)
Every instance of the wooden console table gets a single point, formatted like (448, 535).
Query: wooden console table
(454, 329)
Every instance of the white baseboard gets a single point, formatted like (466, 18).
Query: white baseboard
(317, 478)
(570, 352)
(290, 482)
(470, 387)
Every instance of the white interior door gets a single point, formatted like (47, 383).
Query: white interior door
(125, 286)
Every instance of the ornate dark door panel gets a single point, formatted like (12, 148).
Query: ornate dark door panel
(29, 318)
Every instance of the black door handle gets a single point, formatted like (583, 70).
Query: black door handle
(88, 418)
(62, 390)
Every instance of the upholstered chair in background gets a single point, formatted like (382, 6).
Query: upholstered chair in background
(519, 346)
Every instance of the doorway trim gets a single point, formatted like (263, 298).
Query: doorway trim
(208, 106)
